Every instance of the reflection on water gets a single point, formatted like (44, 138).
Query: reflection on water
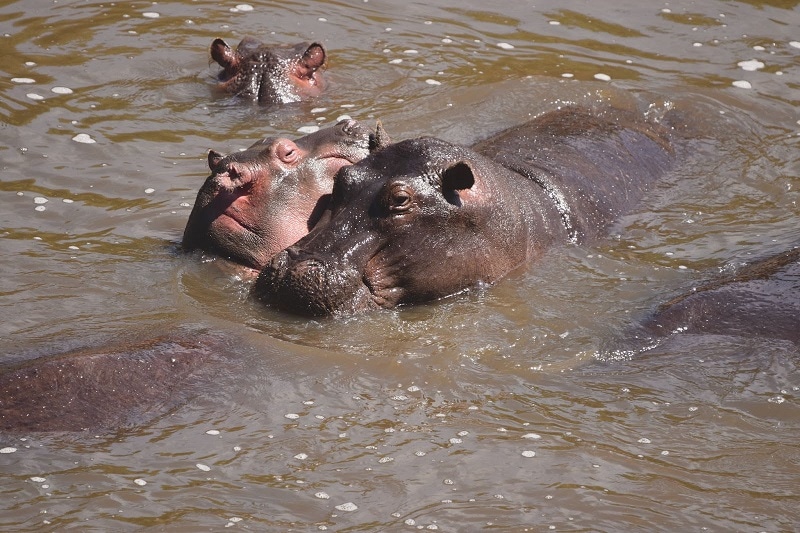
(486, 410)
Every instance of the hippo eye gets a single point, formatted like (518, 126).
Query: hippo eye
(399, 198)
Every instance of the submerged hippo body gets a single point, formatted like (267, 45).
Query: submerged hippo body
(113, 387)
(761, 299)
(423, 218)
(270, 74)
(261, 200)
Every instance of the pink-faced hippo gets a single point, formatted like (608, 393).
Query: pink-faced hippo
(261, 200)
(423, 219)
(270, 74)
(761, 299)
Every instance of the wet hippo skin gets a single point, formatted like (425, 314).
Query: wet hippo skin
(107, 388)
(270, 74)
(761, 299)
(261, 200)
(423, 219)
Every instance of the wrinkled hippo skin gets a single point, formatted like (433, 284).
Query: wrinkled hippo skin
(259, 201)
(422, 219)
(761, 299)
(109, 388)
(270, 74)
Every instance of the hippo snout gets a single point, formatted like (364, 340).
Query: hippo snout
(301, 282)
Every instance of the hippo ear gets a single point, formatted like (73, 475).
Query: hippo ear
(223, 54)
(214, 158)
(379, 139)
(312, 60)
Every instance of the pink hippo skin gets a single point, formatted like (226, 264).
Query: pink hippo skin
(270, 74)
(261, 200)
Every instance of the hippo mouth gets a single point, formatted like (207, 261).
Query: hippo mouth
(227, 207)
(310, 287)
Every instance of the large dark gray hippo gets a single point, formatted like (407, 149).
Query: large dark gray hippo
(261, 200)
(422, 219)
(761, 299)
(270, 74)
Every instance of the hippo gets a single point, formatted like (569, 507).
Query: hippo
(761, 299)
(259, 201)
(270, 74)
(423, 219)
(107, 388)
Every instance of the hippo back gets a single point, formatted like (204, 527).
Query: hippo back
(594, 165)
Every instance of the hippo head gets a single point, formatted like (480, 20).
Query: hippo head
(407, 224)
(270, 74)
(261, 200)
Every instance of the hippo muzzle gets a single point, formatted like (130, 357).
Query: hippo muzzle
(307, 284)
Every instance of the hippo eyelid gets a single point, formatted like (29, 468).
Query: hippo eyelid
(399, 197)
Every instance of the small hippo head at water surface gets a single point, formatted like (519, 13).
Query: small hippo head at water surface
(423, 218)
(270, 74)
(261, 200)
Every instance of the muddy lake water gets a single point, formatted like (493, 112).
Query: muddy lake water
(519, 407)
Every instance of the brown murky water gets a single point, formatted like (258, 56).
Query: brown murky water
(516, 408)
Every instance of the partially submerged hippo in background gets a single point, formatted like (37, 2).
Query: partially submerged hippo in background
(423, 218)
(270, 74)
(108, 388)
(259, 201)
(761, 299)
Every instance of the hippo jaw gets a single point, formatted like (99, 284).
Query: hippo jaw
(309, 288)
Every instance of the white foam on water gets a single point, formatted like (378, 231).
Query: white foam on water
(505, 46)
(61, 90)
(750, 65)
(602, 77)
(150, 15)
(23, 80)
(84, 138)
(349, 507)
(140, 482)
(742, 84)
(528, 453)
(204, 468)
(308, 129)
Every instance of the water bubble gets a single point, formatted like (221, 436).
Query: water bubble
(204, 468)
(349, 506)
(742, 84)
(34, 96)
(140, 482)
(83, 138)
(149, 190)
(301, 456)
(150, 15)
(795, 44)
(8, 449)
(40, 200)
(528, 453)
(244, 7)
(291, 416)
(644, 440)
(533, 436)
(37, 479)
(23, 80)
(322, 495)
(750, 65)
(602, 77)
(308, 129)
(505, 46)
(61, 90)
(433, 82)
(212, 432)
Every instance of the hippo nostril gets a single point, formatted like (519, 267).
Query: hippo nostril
(348, 126)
